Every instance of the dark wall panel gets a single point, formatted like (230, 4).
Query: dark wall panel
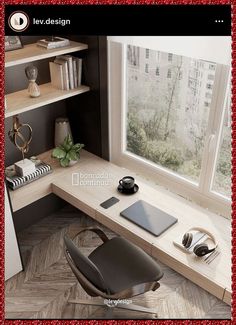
(88, 113)
(84, 110)
(103, 75)
(36, 211)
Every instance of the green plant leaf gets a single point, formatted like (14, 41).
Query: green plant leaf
(64, 162)
(71, 155)
(61, 147)
(77, 147)
(68, 141)
(58, 153)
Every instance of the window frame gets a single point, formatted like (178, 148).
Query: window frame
(202, 194)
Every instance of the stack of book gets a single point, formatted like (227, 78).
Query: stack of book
(15, 181)
(66, 72)
(53, 42)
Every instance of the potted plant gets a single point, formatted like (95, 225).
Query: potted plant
(68, 153)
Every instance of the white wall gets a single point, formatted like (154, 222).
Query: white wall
(210, 48)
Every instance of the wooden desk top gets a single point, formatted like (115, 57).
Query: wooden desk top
(97, 181)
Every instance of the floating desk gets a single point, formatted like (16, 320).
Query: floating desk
(92, 190)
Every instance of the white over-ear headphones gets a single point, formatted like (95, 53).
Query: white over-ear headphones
(202, 248)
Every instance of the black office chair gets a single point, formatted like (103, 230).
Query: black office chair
(116, 270)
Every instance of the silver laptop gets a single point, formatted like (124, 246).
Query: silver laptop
(149, 217)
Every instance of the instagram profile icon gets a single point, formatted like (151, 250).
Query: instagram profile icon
(18, 21)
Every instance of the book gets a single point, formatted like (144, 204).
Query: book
(53, 42)
(69, 60)
(65, 72)
(75, 72)
(56, 74)
(14, 181)
(79, 71)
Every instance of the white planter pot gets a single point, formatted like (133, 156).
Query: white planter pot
(72, 162)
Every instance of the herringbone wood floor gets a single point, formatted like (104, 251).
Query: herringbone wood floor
(42, 290)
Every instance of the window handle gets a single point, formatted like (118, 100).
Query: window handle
(211, 141)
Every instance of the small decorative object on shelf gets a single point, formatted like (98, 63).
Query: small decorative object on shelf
(53, 42)
(18, 135)
(12, 43)
(14, 181)
(32, 73)
(62, 129)
(68, 153)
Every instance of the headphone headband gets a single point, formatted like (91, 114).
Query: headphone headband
(203, 230)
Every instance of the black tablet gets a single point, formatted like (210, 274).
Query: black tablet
(149, 217)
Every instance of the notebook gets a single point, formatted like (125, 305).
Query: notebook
(14, 181)
(149, 217)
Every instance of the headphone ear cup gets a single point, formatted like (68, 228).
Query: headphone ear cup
(184, 240)
(201, 249)
(187, 240)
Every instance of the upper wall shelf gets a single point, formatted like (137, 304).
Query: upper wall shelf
(20, 101)
(32, 52)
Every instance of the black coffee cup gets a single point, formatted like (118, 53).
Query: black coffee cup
(127, 182)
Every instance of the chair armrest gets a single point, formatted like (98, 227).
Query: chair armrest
(97, 231)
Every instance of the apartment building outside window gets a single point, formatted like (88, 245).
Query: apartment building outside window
(170, 57)
(173, 122)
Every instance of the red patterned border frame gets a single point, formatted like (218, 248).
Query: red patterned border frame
(112, 2)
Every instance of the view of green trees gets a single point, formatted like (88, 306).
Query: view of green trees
(168, 113)
(143, 141)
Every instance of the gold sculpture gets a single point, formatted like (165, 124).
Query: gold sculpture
(17, 138)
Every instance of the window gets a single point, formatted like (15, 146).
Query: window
(133, 55)
(171, 125)
(170, 57)
(153, 131)
(209, 86)
(212, 67)
(222, 178)
(147, 53)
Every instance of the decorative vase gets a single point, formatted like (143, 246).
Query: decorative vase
(62, 129)
(31, 73)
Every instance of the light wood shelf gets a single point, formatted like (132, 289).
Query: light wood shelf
(32, 52)
(20, 101)
(39, 188)
(42, 187)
